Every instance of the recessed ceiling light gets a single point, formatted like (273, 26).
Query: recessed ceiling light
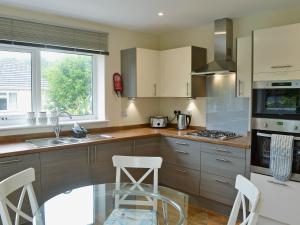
(160, 14)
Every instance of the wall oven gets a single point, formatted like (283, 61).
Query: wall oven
(262, 129)
(276, 99)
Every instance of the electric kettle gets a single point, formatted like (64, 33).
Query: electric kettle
(183, 121)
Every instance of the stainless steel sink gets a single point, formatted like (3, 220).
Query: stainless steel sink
(51, 142)
(98, 136)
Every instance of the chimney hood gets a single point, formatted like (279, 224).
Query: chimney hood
(223, 42)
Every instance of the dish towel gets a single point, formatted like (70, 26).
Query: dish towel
(281, 156)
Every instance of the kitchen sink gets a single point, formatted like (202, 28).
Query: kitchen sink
(51, 142)
(98, 136)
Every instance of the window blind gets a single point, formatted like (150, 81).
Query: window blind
(20, 32)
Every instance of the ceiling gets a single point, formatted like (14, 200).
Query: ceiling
(141, 15)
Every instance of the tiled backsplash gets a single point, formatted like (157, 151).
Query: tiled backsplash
(224, 111)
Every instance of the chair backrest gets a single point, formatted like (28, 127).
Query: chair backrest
(245, 189)
(150, 163)
(23, 180)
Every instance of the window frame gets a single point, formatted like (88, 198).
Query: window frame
(36, 75)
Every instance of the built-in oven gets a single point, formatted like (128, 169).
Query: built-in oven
(276, 99)
(262, 129)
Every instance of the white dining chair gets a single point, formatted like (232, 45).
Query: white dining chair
(122, 163)
(11, 184)
(245, 189)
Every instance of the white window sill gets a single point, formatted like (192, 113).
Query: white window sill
(66, 125)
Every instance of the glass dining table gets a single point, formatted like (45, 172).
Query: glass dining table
(97, 205)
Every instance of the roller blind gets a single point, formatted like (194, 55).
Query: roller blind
(20, 32)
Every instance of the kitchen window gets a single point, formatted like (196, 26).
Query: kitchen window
(34, 79)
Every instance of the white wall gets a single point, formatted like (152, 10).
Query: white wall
(203, 36)
(137, 112)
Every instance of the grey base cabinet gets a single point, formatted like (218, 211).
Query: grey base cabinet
(64, 169)
(183, 179)
(181, 166)
(197, 168)
(149, 147)
(202, 169)
(219, 167)
(12, 165)
(102, 170)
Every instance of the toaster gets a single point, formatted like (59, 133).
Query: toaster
(158, 121)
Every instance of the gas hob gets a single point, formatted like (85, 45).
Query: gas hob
(214, 134)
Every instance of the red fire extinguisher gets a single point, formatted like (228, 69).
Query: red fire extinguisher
(118, 84)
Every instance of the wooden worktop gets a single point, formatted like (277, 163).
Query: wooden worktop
(21, 147)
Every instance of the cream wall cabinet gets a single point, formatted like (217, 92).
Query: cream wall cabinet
(176, 67)
(276, 53)
(140, 69)
(244, 67)
(151, 73)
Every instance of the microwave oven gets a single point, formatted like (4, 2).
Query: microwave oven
(276, 99)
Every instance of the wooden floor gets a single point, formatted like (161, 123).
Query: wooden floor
(198, 216)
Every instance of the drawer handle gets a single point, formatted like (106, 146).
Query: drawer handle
(181, 171)
(222, 150)
(181, 143)
(10, 161)
(223, 160)
(278, 183)
(281, 66)
(181, 152)
(222, 181)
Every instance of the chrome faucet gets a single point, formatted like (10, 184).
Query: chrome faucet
(57, 127)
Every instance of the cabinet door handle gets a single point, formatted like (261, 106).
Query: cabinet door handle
(181, 152)
(88, 155)
(181, 143)
(222, 181)
(181, 171)
(10, 161)
(222, 150)
(239, 87)
(281, 66)
(154, 89)
(95, 154)
(187, 89)
(277, 183)
(223, 160)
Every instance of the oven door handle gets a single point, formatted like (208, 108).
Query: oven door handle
(269, 135)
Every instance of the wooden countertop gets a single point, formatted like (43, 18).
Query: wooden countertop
(20, 148)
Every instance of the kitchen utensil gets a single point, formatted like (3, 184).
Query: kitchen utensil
(183, 121)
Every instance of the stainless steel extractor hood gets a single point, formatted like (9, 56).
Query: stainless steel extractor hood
(223, 43)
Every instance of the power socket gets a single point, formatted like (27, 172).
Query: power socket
(177, 112)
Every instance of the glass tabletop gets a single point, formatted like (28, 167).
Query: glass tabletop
(109, 204)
